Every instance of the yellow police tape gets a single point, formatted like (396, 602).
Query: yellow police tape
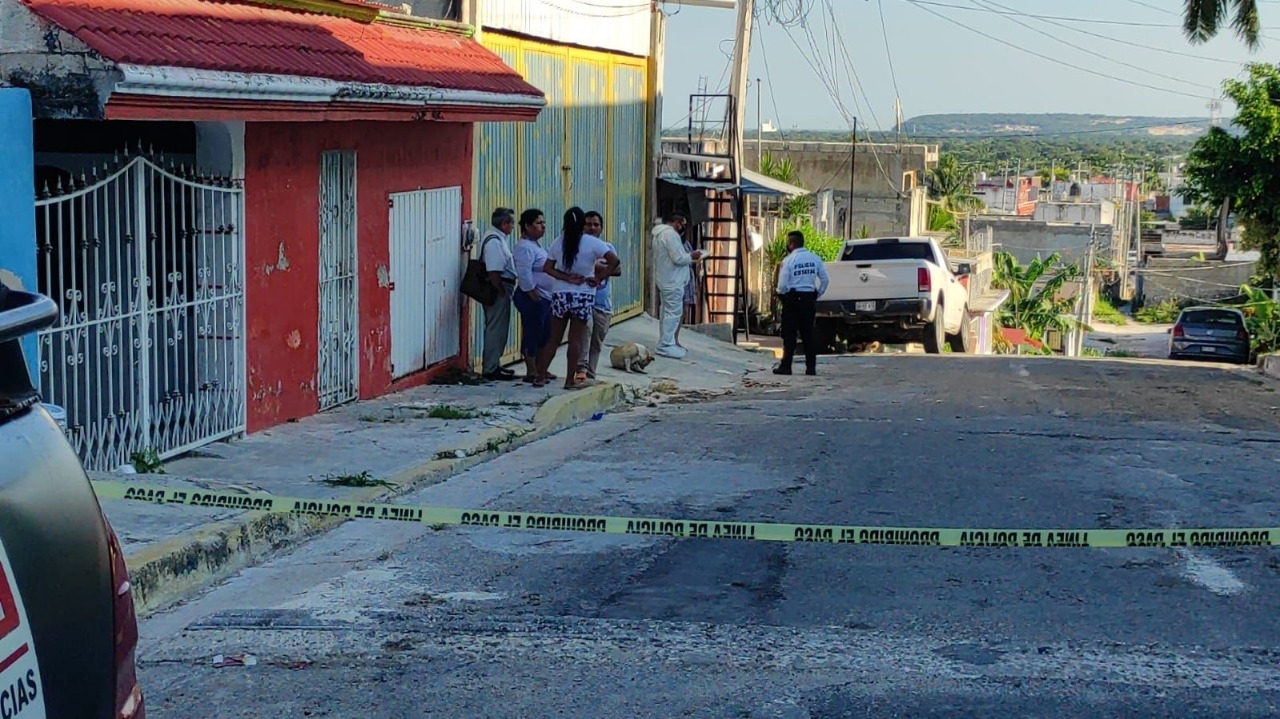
(698, 529)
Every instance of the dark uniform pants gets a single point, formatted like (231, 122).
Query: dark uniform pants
(797, 318)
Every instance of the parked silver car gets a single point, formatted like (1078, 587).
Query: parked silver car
(1216, 333)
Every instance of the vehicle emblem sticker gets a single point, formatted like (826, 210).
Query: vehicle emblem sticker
(21, 691)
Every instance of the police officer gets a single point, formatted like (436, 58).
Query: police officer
(802, 279)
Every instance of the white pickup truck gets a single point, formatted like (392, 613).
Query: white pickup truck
(894, 290)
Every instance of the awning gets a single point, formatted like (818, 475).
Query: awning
(201, 59)
(753, 183)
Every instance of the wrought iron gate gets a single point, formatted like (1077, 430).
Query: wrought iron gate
(147, 264)
(339, 371)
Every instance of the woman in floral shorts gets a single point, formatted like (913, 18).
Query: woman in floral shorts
(573, 260)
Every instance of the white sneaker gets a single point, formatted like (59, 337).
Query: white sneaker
(672, 352)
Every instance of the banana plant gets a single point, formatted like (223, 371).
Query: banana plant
(1262, 317)
(1033, 305)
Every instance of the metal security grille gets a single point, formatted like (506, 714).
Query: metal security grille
(147, 265)
(339, 371)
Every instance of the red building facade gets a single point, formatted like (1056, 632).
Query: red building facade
(334, 244)
(282, 172)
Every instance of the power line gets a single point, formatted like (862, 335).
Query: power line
(773, 100)
(1109, 38)
(920, 4)
(1072, 45)
(893, 75)
(1091, 21)
(1157, 8)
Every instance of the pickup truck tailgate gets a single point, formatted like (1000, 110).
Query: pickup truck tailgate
(879, 280)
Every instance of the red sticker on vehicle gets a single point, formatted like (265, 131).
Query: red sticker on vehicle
(21, 691)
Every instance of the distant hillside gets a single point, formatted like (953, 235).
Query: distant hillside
(962, 125)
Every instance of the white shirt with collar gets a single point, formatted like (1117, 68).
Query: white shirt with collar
(802, 271)
(496, 254)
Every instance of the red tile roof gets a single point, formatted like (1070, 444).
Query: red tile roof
(245, 38)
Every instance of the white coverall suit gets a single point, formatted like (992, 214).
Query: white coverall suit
(671, 274)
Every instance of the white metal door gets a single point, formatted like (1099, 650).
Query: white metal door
(339, 370)
(426, 270)
(147, 265)
(444, 274)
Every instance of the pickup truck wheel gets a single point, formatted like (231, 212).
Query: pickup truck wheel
(960, 341)
(824, 335)
(935, 334)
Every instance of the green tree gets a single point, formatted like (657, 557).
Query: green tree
(951, 189)
(1034, 305)
(785, 171)
(1243, 171)
(1201, 20)
(1059, 174)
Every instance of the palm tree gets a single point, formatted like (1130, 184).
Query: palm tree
(785, 171)
(952, 185)
(951, 190)
(1201, 20)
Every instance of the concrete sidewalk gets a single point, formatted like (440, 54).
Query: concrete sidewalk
(377, 449)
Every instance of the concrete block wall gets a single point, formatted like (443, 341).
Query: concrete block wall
(1027, 239)
(1181, 279)
(66, 79)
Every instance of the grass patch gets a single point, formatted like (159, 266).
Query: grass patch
(147, 462)
(1095, 352)
(1165, 312)
(447, 411)
(509, 403)
(1104, 311)
(363, 479)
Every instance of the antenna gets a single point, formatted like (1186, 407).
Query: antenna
(1215, 112)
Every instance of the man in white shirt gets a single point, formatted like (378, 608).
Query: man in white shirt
(802, 279)
(602, 316)
(495, 252)
(671, 274)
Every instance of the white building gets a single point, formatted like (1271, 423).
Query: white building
(1101, 212)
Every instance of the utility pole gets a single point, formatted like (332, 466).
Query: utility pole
(853, 164)
(1086, 297)
(738, 88)
(759, 131)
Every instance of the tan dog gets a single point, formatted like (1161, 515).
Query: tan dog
(630, 357)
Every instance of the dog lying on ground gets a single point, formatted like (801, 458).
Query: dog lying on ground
(630, 357)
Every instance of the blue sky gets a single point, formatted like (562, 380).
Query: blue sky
(942, 67)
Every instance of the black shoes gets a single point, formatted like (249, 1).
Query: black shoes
(501, 375)
(787, 370)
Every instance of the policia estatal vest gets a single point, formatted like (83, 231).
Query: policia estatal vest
(802, 279)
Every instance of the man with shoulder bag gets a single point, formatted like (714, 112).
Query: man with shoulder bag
(500, 268)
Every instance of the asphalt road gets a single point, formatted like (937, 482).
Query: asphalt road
(381, 620)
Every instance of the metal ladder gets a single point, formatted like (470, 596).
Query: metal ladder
(739, 317)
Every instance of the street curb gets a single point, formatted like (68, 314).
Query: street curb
(167, 572)
(1270, 365)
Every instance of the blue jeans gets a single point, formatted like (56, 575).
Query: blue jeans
(535, 322)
